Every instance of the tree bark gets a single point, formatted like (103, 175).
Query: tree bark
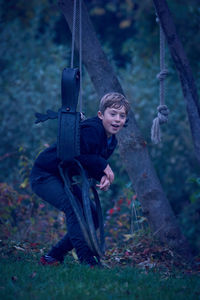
(184, 70)
(132, 146)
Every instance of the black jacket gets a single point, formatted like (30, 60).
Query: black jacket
(95, 148)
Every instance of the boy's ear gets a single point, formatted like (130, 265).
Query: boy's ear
(126, 123)
(100, 115)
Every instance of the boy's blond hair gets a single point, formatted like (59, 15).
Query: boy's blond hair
(115, 100)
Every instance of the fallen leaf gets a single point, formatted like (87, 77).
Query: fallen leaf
(128, 236)
(19, 248)
(74, 255)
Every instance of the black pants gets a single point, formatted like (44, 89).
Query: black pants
(52, 191)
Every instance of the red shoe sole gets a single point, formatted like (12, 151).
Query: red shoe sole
(48, 263)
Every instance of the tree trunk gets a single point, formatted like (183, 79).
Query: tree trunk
(185, 73)
(132, 145)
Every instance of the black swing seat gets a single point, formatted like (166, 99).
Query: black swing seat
(68, 119)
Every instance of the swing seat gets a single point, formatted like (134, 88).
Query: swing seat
(68, 118)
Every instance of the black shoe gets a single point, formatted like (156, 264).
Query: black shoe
(93, 262)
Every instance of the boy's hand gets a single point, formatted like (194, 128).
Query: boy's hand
(104, 183)
(109, 173)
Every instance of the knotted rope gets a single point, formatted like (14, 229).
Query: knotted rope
(163, 111)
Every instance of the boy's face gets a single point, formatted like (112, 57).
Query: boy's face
(113, 119)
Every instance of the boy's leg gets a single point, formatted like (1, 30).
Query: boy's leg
(64, 245)
(61, 248)
(52, 191)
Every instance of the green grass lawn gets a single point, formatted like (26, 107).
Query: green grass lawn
(23, 278)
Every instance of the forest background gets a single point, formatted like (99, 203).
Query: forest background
(35, 47)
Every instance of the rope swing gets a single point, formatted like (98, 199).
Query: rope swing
(163, 111)
(68, 146)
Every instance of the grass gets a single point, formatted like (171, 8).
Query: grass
(23, 278)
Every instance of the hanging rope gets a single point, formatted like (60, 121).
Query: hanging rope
(77, 26)
(80, 53)
(73, 34)
(163, 111)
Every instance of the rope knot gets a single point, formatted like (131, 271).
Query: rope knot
(163, 113)
(161, 118)
(162, 75)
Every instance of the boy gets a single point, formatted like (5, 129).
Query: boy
(97, 143)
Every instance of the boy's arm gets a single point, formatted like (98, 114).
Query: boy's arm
(90, 157)
(94, 164)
